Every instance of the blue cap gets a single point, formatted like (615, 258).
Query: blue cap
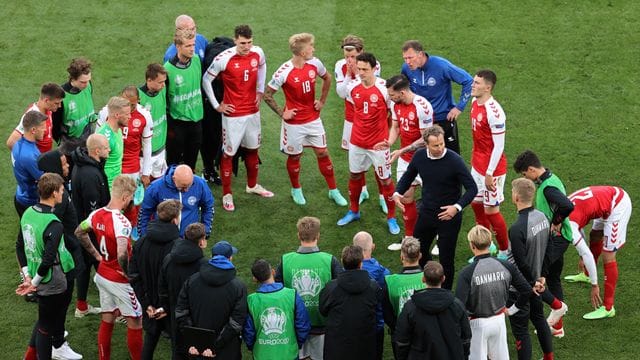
(223, 248)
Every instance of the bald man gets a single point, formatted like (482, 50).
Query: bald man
(186, 22)
(192, 191)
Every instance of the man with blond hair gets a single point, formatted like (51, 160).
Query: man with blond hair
(118, 117)
(483, 288)
(308, 270)
(301, 123)
(186, 22)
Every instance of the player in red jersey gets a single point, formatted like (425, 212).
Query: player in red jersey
(112, 231)
(488, 162)
(345, 71)
(301, 123)
(50, 100)
(370, 126)
(610, 209)
(242, 69)
(410, 114)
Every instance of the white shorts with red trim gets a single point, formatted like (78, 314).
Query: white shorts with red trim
(615, 226)
(489, 198)
(402, 168)
(346, 134)
(294, 138)
(240, 131)
(360, 160)
(117, 296)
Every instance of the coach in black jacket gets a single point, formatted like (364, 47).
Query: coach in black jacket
(216, 299)
(349, 303)
(433, 324)
(144, 269)
(443, 173)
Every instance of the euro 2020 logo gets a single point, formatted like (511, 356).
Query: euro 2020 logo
(273, 321)
(306, 282)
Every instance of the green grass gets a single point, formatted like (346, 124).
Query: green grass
(567, 82)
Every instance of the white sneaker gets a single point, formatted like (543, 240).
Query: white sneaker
(396, 246)
(556, 315)
(435, 251)
(64, 352)
(259, 190)
(227, 202)
(90, 311)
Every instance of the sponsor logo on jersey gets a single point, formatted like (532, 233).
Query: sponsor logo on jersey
(273, 321)
(296, 79)
(373, 98)
(136, 123)
(192, 200)
(306, 282)
(357, 96)
(236, 66)
(72, 105)
(179, 80)
(254, 62)
(431, 81)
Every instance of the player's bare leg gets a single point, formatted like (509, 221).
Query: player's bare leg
(326, 169)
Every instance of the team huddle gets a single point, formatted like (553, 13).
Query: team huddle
(120, 194)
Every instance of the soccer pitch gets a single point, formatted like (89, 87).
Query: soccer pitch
(567, 80)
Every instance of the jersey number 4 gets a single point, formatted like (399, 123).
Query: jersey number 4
(103, 249)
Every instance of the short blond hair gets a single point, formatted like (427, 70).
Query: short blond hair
(297, 42)
(480, 237)
(524, 188)
(123, 185)
(410, 249)
(308, 228)
(181, 36)
(116, 104)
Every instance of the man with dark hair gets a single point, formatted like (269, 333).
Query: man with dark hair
(349, 303)
(72, 122)
(307, 271)
(184, 101)
(153, 98)
(148, 255)
(90, 193)
(370, 126)
(433, 324)
(552, 200)
(48, 260)
(216, 280)
(243, 70)
(183, 261)
(443, 173)
(431, 77)
(277, 315)
(50, 100)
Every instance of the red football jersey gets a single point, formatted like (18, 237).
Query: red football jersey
(594, 202)
(108, 225)
(340, 74)
(487, 120)
(46, 143)
(299, 86)
(140, 126)
(239, 78)
(412, 119)
(371, 105)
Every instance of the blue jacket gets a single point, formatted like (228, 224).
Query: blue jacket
(433, 82)
(24, 159)
(376, 272)
(201, 46)
(302, 325)
(197, 202)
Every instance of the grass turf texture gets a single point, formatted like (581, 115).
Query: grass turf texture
(566, 81)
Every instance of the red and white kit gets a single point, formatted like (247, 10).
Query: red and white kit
(46, 143)
(138, 131)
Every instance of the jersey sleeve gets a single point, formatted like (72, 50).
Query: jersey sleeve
(20, 127)
(87, 224)
(319, 66)
(392, 108)
(121, 226)
(262, 69)
(148, 127)
(377, 71)
(279, 77)
(425, 112)
(102, 116)
(496, 120)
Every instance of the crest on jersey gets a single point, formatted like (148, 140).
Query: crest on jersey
(192, 200)
(373, 98)
(273, 321)
(312, 74)
(179, 80)
(412, 115)
(306, 282)
(479, 117)
(431, 81)
(254, 62)
(136, 122)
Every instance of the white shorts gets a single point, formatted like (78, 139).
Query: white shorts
(117, 296)
(346, 134)
(313, 347)
(293, 138)
(360, 160)
(402, 168)
(158, 164)
(615, 226)
(489, 338)
(240, 131)
(489, 198)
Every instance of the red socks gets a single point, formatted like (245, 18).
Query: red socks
(31, 353)
(387, 192)
(596, 249)
(82, 305)
(226, 169)
(326, 169)
(355, 188)
(410, 217)
(610, 282)
(104, 340)
(481, 217)
(134, 343)
(293, 168)
(251, 161)
(558, 325)
(500, 228)
(547, 356)
(556, 304)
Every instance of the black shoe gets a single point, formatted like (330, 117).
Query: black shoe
(32, 297)
(212, 177)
